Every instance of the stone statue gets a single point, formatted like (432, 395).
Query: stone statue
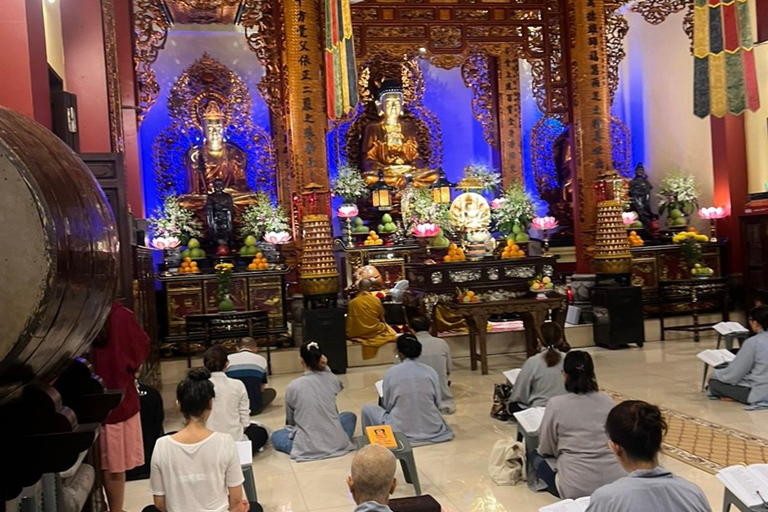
(215, 159)
(390, 145)
(219, 212)
(640, 196)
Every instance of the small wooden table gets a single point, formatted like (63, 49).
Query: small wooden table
(533, 311)
(692, 292)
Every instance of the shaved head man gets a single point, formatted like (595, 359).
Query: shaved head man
(372, 479)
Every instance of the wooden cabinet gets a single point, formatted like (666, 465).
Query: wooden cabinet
(754, 234)
(196, 294)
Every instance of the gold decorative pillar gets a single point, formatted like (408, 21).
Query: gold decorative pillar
(306, 120)
(510, 128)
(591, 115)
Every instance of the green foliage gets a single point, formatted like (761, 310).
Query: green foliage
(678, 191)
(515, 207)
(422, 209)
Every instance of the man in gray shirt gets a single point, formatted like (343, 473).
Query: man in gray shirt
(373, 478)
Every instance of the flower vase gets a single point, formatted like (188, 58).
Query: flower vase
(172, 257)
(226, 304)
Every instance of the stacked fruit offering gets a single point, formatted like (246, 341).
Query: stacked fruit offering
(193, 250)
(512, 251)
(249, 249)
(454, 254)
(259, 263)
(466, 296)
(635, 240)
(188, 266)
(373, 239)
(387, 226)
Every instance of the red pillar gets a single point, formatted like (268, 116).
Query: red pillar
(124, 37)
(729, 159)
(23, 62)
(86, 72)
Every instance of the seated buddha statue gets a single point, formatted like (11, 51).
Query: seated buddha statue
(390, 145)
(215, 159)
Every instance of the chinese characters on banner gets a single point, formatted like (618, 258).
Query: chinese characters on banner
(509, 116)
(591, 116)
(307, 118)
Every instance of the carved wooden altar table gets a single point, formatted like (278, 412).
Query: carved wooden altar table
(533, 311)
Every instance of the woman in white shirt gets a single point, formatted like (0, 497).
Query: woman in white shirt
(196, 469)
(636, 430)
(231, 408)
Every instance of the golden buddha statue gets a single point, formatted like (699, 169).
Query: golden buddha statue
(390, 145)
(215, 159)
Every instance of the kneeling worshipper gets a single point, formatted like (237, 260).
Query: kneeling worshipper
(196, 469)
(365, 321)
(745, 379)
(636, 430)
(573, 432)
(411, 398)
(314, 429)
(231, 408)
(436, 354)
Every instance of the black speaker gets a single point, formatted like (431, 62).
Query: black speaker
(618, 312)
(328, 327)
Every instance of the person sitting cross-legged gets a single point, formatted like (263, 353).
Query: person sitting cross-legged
(411, 398)
(436, 354)
(365, 321)
(231, 410)
(373, 478)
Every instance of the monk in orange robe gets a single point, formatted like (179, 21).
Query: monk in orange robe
(365, 321)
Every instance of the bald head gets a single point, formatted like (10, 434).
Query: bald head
(365, 285)
(249, 344)
(373, 475)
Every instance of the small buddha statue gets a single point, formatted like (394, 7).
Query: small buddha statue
(390, 145)
(640, 196)
(219, 212)
(215, 159)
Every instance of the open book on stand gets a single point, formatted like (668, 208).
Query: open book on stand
(716, 357)
(530, 419)
(748, 483)
(729, 328)
(579, 505)
(512, 375)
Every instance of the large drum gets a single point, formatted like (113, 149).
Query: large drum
(58, 255)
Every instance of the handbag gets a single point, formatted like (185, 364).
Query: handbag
(501, 394)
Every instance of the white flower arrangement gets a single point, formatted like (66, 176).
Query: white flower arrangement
(489, 178)
(263, 217)
(422, 209)
(515, 207)
(175, 221)
(349, 184)
(678, 191)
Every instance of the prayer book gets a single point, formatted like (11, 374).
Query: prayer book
(511, 375)
(530, 419)
(729, 328)
(716, 357)
(579, 505)
(380, 388)
(748, 483)
(245, 452)
(381, 435)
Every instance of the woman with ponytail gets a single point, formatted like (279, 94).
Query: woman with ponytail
(314, 429)
(541, 376)
(636, 430)
(196, 469)
(573, 433)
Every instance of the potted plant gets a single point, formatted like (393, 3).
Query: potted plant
(678, 197)
(223, 288)
(513, 212)
(690, 246)
(173, 225)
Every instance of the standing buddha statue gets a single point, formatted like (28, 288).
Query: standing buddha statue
(215, 159)
(390, 145)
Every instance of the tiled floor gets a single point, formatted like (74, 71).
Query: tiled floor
(455, 473)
